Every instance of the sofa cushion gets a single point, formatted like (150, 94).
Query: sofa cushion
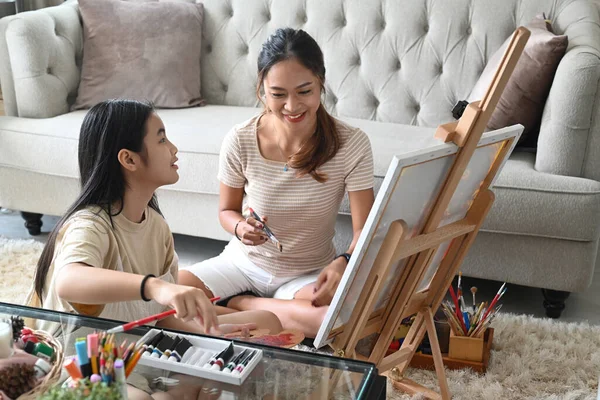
(137, 55)
(524, 97)
(530, 202)
(527, 201)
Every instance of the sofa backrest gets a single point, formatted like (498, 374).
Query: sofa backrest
(403, 61)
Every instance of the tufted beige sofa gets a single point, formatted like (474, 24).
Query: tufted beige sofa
(394, 68)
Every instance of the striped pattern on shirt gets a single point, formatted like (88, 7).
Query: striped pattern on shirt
(301, 211)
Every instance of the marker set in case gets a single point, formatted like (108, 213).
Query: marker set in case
(217, 359)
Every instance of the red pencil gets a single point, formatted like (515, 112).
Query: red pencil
(140, 322)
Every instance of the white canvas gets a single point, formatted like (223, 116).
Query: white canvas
(408, 191)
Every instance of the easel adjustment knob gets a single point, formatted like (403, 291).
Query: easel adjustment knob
(459, 109)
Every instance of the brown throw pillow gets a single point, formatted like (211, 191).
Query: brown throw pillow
(140, 50)
(524, 97)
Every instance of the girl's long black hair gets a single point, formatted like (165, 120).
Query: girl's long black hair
(107, 128)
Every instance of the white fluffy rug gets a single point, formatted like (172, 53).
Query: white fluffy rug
(18, 259)
(531, 358)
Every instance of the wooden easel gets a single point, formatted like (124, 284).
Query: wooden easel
(405, 299)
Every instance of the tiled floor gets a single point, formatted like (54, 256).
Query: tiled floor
(518, 299)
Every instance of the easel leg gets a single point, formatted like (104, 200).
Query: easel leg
(437, 355)
(423, 322)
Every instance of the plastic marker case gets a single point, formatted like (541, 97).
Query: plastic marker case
(212, 345)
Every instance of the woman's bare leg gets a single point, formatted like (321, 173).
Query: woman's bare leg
(298, 314)
(262, 318)
(188, 279)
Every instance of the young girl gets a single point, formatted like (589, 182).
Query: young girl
(112, 254)
(293, 163)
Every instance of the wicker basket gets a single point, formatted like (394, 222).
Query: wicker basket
(54, 375)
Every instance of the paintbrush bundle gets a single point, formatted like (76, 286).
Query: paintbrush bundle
(471, 323)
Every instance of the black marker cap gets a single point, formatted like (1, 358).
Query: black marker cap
(183, 346)
(165, 344)
(175, 343)
(155, 339)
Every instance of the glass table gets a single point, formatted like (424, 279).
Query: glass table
(280, 374)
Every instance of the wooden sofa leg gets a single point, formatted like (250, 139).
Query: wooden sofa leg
(33, 222)
(554, 302)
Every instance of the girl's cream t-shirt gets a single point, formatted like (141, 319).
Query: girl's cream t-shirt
(88, 237)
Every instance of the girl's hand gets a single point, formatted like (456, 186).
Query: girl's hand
(190, 303)
(327, 282)
(251, 232)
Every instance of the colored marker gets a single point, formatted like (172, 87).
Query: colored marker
(180, 350)
(240, 367)
(92, 343)
(120, 377)
(220, 358)
(165, 343)
(71, 366)
(235, 361)
(167, 353)
(83, 359)
(149, 347)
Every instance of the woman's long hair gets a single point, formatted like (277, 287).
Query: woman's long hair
(288, 43)
(107, 128)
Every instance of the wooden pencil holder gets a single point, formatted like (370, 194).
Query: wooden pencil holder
(465, 348)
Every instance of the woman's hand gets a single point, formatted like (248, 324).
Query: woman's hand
(190, 303)
(251, 231)
(328, 281)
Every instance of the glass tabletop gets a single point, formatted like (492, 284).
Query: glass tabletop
(280, 374)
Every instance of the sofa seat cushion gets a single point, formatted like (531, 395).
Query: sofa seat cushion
(528, 202)
(49, 145)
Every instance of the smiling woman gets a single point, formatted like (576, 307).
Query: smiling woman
(292, 164)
